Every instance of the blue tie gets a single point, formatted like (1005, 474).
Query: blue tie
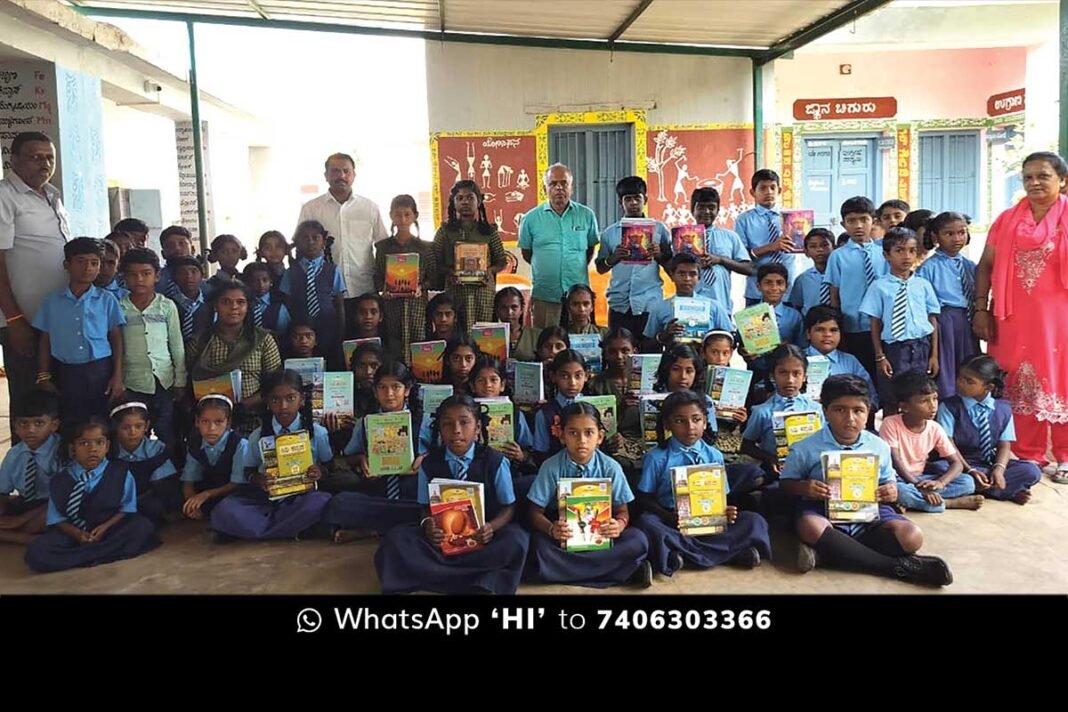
(967, 285)
(789, 404)
(692, 454)
(189, 312)
(981, 418)
(580, 470)
(258, 308)
(74, 502)
(825, 293)
(774, 233)
(899, 316)
(29, 488)
(459, 469)
(313, 292)
(869, 266)
(393, 486)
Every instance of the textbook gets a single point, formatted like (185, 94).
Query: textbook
(637, 236)
(589, 345)
(606, 406)
(688, 239)
(456, 507)
(529, 382)
(792, 427)
(795, 224)
(759, 328)
(501, 429)
(286, 459)
(351, 345)
(728, 388)
(695, 315)
(389, 443)
(642, 374)
(311, 372)
(819, 368)
(585, 504)
(441, 490)
(853, 478)
(492, 339)
(472, 262)
(228, 384)
(402, 274)
(701, 499)
(427, 363)
(434, 396)
(651, 405)
(338, 387)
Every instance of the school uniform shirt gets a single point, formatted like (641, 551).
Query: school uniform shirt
(633, 287)
(725, 243)
(804, 461)
(656, 478)
(524, 438)
(321, 451)
(845, 270)
(919, 296)
(127, 505)
(78, 327)
(153, 348)
(759, 428)
(502, 479)
(791, 324)
(194, 471)
(661, 314)
(264, 302)
(755, 228)
(187, 305)
(146, 450)
(542, 435)
(944, 274)
(559, 466)
(337, 288)
(13, 468)
(949, 424)
(844, 364)
(806, 291)
(116, 288)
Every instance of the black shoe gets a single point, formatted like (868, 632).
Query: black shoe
(748, 559)
(218, 537)
(675, 561)
(643, 577)
(925, 570)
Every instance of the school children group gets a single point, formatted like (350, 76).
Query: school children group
(113, 445)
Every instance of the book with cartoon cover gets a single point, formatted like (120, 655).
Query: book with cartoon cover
(585, 504)
(228, 384)
(637, 235)
(759, 328)
(389, 443)
(853, 478)
(311, 372)
(606, 406)
(651, 405)
(402, 274)
(351, 345)
(589, 345)
(427, 361)
(701, 498)
(695, 315)
(501, 429)
(641, 376)
(728, 388)
(338, 389)
(286, 460)
(457, 520)
(472, 262)
(796, 222)
(791, 427)
(442, 490)
(492, 339)
(688, 239)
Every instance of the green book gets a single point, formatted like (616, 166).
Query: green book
(389, 443)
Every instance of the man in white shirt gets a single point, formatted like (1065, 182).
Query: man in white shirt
(33, 230)
(354, 221)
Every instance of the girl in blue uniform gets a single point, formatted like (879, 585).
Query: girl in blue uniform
(315, 289)
(568, 373)
(215, 461)
(159, 493)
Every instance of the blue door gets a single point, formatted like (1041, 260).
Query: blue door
(836, 169)
(949, 171)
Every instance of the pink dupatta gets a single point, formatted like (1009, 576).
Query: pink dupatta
(1011, 235)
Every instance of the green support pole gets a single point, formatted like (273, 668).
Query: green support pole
(198, 155)
(758, 113)
(1064, 79)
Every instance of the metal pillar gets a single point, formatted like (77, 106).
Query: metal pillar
(758, 113)
(198, 150)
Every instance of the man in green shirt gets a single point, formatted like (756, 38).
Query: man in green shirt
(557, 238)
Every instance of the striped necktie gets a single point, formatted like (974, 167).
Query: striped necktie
(392, 486)
(774, 233)
(825, 293)
(580, 470)
(74, 502)
(981, 418)
(899, 315)
(313, 292)
(692, 454)
(708, 275)
(789, 404)
(459, 469)
(967, 285)
(29, 488)
(258, 308)
(869, 266)
(189, 312)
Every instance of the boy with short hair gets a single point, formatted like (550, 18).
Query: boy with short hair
(724, 251)
(175, 241)
(663, 328)
(809, 289)
(136, 229)
(761, 230)
(195, 316)
(28, 468)
(823, 329)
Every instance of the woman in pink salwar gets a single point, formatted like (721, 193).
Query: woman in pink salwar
(1024, 272)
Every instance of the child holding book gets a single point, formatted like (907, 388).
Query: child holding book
(626, 560)
(681, 369)
(29, 467)
(368, 322)
(445, 318)
(509, 306)
(459, 358)
(809, 289)
(215, 461)
(886, 547)
(269, 309)
(315, 289)
(823, 330)
(578, 313)
(487, 380)
(250, 513)
(662, 329)
(411, 559)
(159, 492)
(772, 281)
(569, 374)
(680, 443)
(405, 310)
(92, 509)
(628, 444)
(724, 250)
(761, 230)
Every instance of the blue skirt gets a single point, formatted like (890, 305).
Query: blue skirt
(407, 562)
(55, 551)
(356, 510)
(1019, 475)
(549, 563)
(704, 552)
(250, 515)
(956, 344)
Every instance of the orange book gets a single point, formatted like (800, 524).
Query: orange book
(428, 365)
(492, 339)
(402, 274)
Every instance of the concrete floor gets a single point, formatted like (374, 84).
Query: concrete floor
(1003, 548)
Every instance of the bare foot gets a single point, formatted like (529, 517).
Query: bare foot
(1022, 497)
(344, 536)
(972, 501)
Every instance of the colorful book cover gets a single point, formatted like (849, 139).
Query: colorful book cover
(637, 236)
(589, 345)
(351, 345)
(311, 372)
(586, 504)
(442, 490)
(434, 396)
(796, 223)
(695, 315)
(457, 520)
(493, 339)
(501, 429)
(402, 274)
(791, 427)
(651, 405)
(389, 439)
(759, 328)
(606, 405)
(641, 378)
(853, 478)
(688, 239)
(286, 459)
(728, 388)
(529, 382)
(819, 368)
(701, 499)
(427, 361)
(472, 262)
(228, 384)
(338, 388)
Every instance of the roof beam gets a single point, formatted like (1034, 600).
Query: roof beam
(634, 15)
(819, 28)
(259, 9)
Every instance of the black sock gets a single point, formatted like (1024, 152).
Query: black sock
(842, 551)
(883, 541)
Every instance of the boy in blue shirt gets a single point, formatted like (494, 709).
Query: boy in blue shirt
(771, 280)
(195, 315)
(663, 328)
(851, 269)
(761, 231)
(175, 241)
(724, 251)
(109, 277)
(904, 316)
(81, 336)
(28, 468)
(885, 547)
(823, 328)
(809, 288)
